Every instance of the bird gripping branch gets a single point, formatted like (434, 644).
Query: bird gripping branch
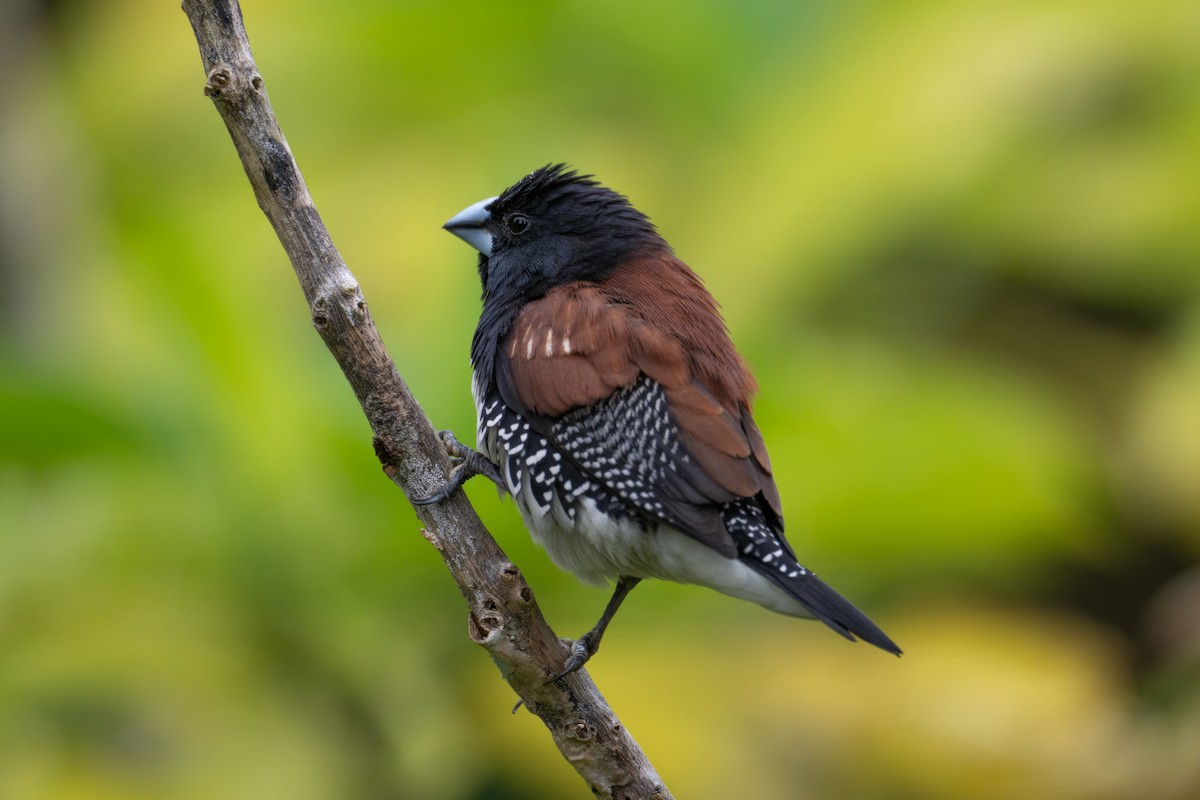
(615, 410)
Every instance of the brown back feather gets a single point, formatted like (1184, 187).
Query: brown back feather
(581, 342)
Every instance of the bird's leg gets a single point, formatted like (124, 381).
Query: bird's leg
(467, 464)
(586, 646)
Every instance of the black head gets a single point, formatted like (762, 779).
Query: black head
(552, 227)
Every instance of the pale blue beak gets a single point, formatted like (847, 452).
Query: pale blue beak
(469, 223)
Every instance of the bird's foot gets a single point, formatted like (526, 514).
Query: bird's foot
(586, 646)
(467, 464)
(582, 649)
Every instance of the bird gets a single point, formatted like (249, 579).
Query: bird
(613, 407)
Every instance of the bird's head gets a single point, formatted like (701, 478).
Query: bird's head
(552, 227)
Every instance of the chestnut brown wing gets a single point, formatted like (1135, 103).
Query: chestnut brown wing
(581, 367)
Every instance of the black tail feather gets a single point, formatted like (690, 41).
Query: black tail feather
(762, 547)
(828, 606)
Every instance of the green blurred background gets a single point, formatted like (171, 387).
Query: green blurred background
(959, 242)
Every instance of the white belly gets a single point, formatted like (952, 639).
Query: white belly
(598, 549)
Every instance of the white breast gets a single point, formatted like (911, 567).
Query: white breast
(598, 548)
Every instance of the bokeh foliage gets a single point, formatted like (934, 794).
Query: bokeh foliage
(959, 242)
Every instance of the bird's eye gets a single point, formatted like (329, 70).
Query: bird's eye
(518, 223)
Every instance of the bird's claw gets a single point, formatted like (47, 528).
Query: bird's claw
(582, 649)
(467, 464)
(453, 447)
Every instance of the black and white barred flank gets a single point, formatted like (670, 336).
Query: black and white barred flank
(588, 492)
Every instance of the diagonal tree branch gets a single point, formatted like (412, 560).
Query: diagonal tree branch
(503, 618)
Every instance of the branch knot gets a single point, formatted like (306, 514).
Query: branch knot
(345, 296)
(219, 78)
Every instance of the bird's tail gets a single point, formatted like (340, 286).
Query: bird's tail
(765, 551)
(827, 605)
